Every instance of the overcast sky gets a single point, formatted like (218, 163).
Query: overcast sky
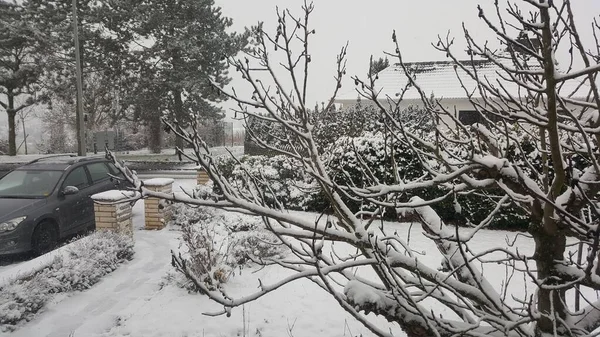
(368, 26)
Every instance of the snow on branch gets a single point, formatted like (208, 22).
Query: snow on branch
(529, 158)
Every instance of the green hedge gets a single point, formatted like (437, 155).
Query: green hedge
(345, 161)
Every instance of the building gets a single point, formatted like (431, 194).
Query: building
(449, 83)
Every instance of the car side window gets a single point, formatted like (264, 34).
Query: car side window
(115, 171)
(77, 178)
(98, 171)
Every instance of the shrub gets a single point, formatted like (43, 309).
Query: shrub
(352, 122)
(133, 141)
(217, 242)
(252, 243)
(205, 255)
(350, 158)
(83, 264)
(283, 182)
(359, 161)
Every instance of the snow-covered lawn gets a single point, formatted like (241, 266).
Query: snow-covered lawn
(138, 300)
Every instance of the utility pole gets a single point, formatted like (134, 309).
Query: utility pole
(80, 120)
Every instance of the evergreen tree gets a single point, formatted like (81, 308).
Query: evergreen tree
(153, 57)
(378, 65)
(104, 39)
(189, 44)
(22, 51)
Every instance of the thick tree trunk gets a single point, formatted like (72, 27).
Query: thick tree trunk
(12, 136)
(550, 240)
(549, 248)
(155, 140)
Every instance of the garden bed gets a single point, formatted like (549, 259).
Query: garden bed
(75, 267)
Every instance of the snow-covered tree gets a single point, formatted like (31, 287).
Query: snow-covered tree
(536, 147)
(58, 129)
(331, 124)
(376, 66)
(190, 43)
(22, 61)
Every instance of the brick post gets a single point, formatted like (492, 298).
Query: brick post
(113, 212)
(203, 177)
(154, 208)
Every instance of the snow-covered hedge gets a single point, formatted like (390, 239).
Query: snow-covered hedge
(216, 243)
(347, 160)
(79, 267)
(285, 182)
(350, 158)
(351, 161)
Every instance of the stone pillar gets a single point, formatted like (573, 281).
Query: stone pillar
(202, 177)
(113, 212)
(154, 208)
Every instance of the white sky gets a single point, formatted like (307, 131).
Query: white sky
(368, 26)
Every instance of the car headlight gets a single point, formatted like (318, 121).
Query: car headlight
(11, 224)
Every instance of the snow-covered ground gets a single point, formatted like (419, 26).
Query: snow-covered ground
(136, 300)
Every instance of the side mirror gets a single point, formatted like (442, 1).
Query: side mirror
(69, 190)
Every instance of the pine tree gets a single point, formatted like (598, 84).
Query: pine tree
(104, 40)
(189, 43)
(22, 51)
(378, 65)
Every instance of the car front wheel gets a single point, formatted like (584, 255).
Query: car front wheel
(44, 238)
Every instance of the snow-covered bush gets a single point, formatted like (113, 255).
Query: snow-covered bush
(276, 177)
(252, 242)
(331, 124)
(102, 253)
(79, 267)
(215, 243)
(207, 253)
(352, 160)
(355, 161)
(350, 157)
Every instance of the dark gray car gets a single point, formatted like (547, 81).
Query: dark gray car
(49, 199)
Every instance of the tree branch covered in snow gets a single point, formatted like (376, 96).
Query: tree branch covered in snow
(534, 146)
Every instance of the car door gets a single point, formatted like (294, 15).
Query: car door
(101, 177)
(75, 208)
(118, 178)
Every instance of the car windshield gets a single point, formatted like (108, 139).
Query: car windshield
(29, 183)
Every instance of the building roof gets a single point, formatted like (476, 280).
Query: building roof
(439, 78)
